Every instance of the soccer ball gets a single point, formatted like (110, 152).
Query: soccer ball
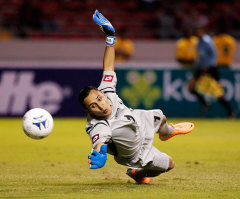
(37, 123)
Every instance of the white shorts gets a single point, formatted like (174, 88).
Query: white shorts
(155, 160)
(148, 156)
(160, 161)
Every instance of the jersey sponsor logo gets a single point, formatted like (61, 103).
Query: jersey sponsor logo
(108, 78)
(95, 138)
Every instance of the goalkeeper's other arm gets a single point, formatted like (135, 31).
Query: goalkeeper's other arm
(109, 31)
(98, 157)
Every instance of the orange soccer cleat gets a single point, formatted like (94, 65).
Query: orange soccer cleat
(132, 173)
(181, 128)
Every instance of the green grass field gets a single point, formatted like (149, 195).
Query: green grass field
(207, 164)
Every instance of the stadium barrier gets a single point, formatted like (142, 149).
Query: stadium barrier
(56, 90)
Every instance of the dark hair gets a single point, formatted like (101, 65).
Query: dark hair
(84, 93)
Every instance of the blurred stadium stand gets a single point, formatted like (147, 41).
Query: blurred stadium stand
(62, 30)
(53, 47)
(152, 19)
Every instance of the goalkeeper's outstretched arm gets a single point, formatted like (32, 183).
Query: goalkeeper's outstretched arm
(109, 58)
(109, 31)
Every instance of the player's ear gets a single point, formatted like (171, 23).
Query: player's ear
(86, 107)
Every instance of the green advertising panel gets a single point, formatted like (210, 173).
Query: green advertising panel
(168, 90)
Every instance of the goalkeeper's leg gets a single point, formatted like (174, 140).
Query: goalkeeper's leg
(167, 131)
(151, 167)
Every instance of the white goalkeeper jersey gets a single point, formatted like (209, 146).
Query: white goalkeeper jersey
(129, 133)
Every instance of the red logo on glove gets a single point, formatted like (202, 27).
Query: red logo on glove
(108, 78)
(95, 138)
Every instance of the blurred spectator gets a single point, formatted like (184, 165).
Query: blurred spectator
(228, 19)
(5, 29)
(198, 19)
(5, 34)
(165, 23)
(49, 21)
(124, 48)
(225, 45)
(149, 4)
(206, 71)
(30, 15)
(152, 19)
(186, 49)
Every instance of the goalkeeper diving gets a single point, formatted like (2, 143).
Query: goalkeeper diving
(125, 133)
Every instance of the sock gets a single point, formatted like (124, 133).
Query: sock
(166, 129)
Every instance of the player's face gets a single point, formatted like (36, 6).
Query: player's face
(97, 104)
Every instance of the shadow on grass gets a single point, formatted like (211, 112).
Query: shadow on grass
(105, 185)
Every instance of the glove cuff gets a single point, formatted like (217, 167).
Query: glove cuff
(111, 40)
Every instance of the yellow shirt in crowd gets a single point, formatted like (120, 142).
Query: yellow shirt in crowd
(123, 45)
(225, 45)
(186, 48)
